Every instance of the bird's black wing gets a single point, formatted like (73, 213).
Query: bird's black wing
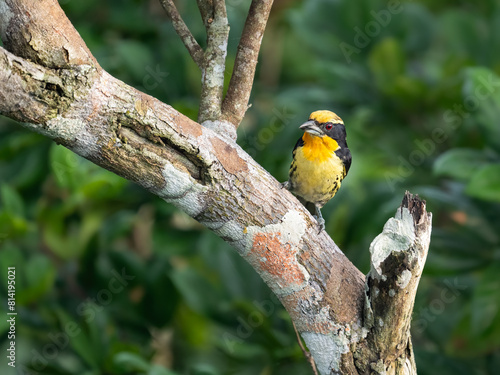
(345, 155)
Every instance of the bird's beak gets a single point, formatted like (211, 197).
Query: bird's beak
(311, 128)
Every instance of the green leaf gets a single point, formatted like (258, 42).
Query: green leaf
(198, 293)
(11, 257)
(459, 163)
(64, 164)
(40, 275)
(160, 370)
(80, 340)
(482, 94)
(485, 183)
(103, 185)
(11, 201)
(387, 63)
(131, 362)
(135, 57)
(486, 300)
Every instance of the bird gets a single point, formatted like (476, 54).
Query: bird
(320, 161)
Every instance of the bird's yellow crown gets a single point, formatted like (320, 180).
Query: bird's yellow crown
(325, 116)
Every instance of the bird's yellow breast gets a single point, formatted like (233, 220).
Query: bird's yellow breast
(318, 149)
(316, 171)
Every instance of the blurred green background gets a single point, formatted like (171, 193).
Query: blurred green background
(112, 280)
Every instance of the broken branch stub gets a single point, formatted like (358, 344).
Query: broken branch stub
(398, 257)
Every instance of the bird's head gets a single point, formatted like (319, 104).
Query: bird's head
(324, 123)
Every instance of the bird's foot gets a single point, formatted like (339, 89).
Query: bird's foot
(321, 223)
(319, 218)
(285, 185)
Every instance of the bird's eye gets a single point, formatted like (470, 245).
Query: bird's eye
(329, 126)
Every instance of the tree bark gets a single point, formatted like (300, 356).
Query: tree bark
(235, 103)
(50, 82)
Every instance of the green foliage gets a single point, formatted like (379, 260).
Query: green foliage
(115, 281)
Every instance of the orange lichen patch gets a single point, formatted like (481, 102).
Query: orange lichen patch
(276, 258)
(228, 156)
(188, 126)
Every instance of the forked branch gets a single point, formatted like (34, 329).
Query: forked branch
(351, 324)
(224, 116)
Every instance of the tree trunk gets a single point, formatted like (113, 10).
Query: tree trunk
(352, 324)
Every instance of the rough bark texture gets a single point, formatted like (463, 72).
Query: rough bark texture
(52, 84)
(398, 257)
(212, 80)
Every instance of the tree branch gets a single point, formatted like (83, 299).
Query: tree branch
(35, 36)
(148, 142)
(69, 98)
(212, 81)
(307, 354)
(206, 8)
(235, 103)
(398, 256)
(182, 30)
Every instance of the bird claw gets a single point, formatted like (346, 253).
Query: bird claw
(321, 223)
(319, 218)
(285, 185)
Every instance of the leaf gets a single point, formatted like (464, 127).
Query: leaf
(433, 362)
(11, 201)
(160, 370)
(40, 278)
(387, 63)
(131, 362)
(485, 183)
(198, 293)
(136, 58)
(80, 340)
(64, 164)
(103, 185)
(482, 95)
(12, 257)
(486, 300)
(459, 163)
